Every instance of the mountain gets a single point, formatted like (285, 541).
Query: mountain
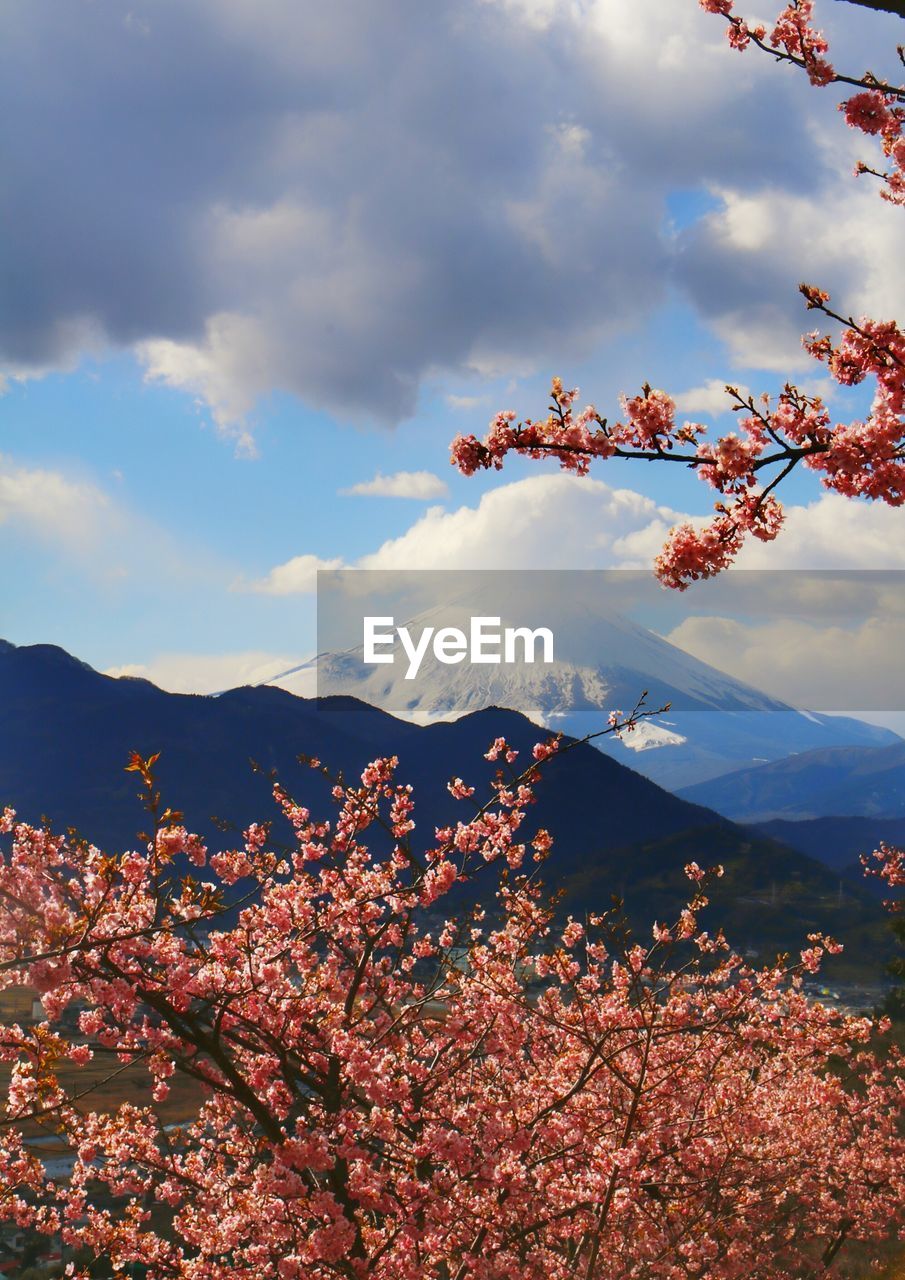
(603, 661)
(835, 782)
(837, 842)
(66, 731)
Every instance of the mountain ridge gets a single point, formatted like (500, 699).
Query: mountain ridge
(66, 731)
(842, 782)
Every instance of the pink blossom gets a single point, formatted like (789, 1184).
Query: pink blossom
(868, 112)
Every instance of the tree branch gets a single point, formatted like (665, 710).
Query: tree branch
(886, 6)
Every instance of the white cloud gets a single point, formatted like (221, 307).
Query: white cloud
(742, 263)
(74, 516)
(833, 533)
(543, 522)
(830, 533)
(466, 403)
(402, 484)
(537, 14)
(226, 370)
(711, 398)
(572, 139)
(84, 526)
(207, 672)
(297, 576)
(808, 664)
(566, 522)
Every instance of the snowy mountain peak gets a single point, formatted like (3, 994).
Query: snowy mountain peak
(603, 662)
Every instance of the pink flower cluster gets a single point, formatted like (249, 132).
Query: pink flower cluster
(797, 425)
(794, 33)
(876, 111)
(574, 439)
(888, 863)
(493, 1097)
(858, 459)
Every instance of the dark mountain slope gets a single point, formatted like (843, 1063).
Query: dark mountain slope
(837, 842)
(834, 781)
(66, 731)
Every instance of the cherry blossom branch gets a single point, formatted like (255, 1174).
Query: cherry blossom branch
(882, 6)
(858, 459)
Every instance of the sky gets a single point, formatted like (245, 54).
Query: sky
(263, 259)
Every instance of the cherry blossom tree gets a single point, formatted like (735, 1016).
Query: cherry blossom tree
(860, 459)
(388, 1087)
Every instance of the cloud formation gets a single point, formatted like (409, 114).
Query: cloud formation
(710, 398)
(70, 515)
(557, 521)
(339, 201)
(422, 485)
(96, 538)
(296, 577)
(805, 663)
(543, 522)
(741, 263)
(207, 672)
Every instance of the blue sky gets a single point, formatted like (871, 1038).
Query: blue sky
(263, 253)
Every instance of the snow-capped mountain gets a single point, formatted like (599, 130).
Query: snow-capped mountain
(715, 723)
